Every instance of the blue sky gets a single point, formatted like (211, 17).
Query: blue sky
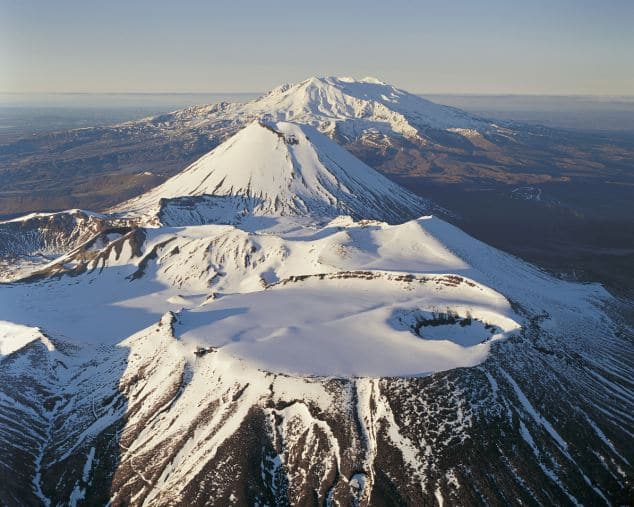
(458, 46)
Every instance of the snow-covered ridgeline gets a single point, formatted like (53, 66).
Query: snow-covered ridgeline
(230, 324)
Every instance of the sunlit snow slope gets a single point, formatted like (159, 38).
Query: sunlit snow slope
(279, 169)
(341, 107)
(245, 247)
(279, 324)
(340, 99)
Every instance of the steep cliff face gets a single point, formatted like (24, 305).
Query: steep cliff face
(37, 239)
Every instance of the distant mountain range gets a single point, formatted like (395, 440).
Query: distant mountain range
(280, 324)
(396, 132)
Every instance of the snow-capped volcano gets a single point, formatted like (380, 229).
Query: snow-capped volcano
(337, 99)
(229, 339)
(280, 169)
(337, 106)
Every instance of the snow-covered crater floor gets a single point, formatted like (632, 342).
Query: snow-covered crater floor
(345, 326)
(342, 299)
(278, 294)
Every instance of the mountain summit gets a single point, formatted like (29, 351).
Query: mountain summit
(283, 169)
(336, 106)
(344, 98)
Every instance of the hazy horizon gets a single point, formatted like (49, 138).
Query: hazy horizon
(22, 113)
(258, 93)
(498, 48)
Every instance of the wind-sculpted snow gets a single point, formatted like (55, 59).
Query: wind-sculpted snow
(230, 338)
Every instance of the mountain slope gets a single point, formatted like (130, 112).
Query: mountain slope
(353, 106)
(286, 169)
(392, 130)
(114, 163)
(199, 369)
(227, 338)
(35, 240)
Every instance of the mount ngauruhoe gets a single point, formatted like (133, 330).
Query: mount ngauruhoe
(116, 161)
(278, 324)
(283, 169)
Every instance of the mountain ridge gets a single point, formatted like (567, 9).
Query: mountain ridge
(329, 102)
(171, 353)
